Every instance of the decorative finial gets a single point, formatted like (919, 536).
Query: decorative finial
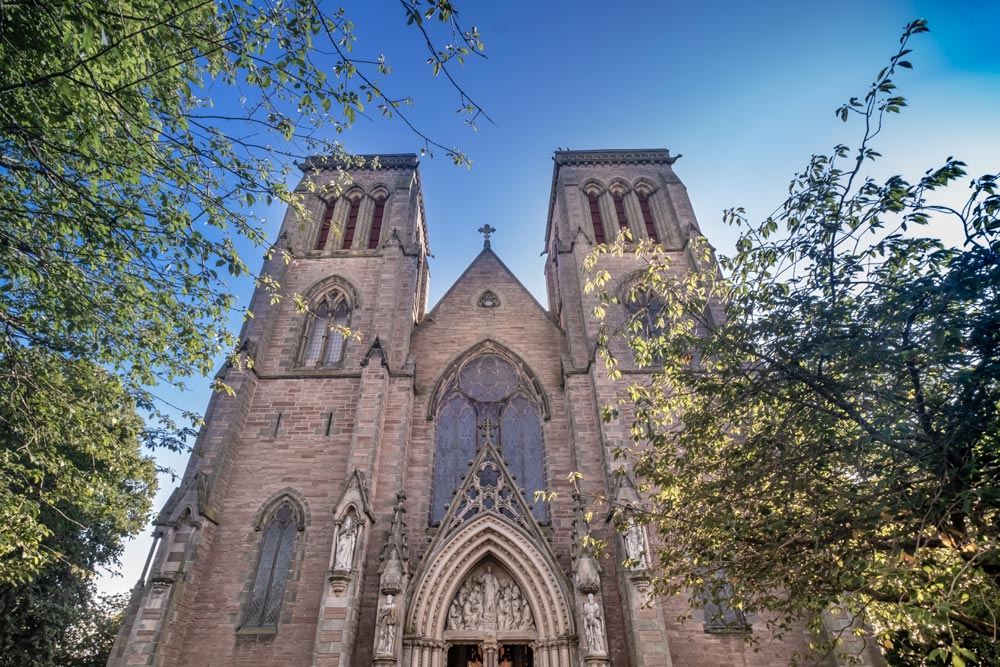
(486, 230)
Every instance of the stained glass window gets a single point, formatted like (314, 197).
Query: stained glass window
(521, 435)
(456, 446)
(276, 552)
(647, 309)
(487, 387)
(324, 339)
(721, 616)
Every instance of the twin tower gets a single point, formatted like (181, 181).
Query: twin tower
(370, 499)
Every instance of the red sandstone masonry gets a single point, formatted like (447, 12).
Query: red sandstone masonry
(378, 423)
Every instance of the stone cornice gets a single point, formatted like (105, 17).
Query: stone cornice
(595, 157)
(386, 161)
(638, 156)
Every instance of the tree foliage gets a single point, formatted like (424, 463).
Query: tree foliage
(136, 140)
(73, 485)
(821, 425)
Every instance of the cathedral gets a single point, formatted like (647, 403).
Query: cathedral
(390, 486)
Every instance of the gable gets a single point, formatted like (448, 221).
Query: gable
(487, 303)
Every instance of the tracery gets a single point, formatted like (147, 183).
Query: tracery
(488, 386)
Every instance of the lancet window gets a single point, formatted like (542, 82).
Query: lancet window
(619, 201)
(647, 216)
(325, 225)
(352, 222)
(375, 232)
(490, 387)
(273, 565)
(595, 217)
(324, 336)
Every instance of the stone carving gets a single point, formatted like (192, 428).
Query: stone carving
(488, 489)
(388, 616)
(635, 545)
(593, 625)
(346, 540)
(487, 602)
(488, 300)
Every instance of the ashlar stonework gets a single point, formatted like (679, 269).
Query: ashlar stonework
(374, 501)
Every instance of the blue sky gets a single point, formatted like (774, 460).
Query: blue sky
(744, 90)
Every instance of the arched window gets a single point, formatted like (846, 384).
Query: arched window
(646, 310)
(325, 225)
(619, 200)
(647, 216)
(273, 565)
(595, 216)
(351, 225)
(324, 338)
(376, 229)
(488, 386)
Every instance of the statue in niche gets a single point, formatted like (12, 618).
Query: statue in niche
(488, 602)
(388, 615)
(635, 545)
(593, 625)
(346, 540)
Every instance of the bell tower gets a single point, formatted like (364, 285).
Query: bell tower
(272, 524)
(595, 196)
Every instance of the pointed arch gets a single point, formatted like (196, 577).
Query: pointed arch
(644, 190)
(486, 346)
(594, 190)
(323, 340)
(278, 523)
(330, 284)
(487, 384)
(619, 187)
(532, 566)
(354, 196)
(380, 196)
(268, 506)
(592, 186)
(644, 186)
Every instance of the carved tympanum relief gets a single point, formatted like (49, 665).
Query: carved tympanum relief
(490, 600)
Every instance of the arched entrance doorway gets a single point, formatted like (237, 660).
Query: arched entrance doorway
(475, 655)
(489, 595)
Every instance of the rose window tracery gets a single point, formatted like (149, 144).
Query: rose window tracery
(490, 388)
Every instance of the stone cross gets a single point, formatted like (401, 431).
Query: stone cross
(486, 230)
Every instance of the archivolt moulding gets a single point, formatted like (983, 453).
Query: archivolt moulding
(488, 536)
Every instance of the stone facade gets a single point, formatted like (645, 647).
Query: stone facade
(303, 532)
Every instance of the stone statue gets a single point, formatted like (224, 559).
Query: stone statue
(346, 540)
(489, 587)
(486, 602)
(635, 545)
(593, 625)
(387, 617)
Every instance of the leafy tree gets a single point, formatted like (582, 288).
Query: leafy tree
(73, 485)
(90, 638)
(136, 137)
(820, 426)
